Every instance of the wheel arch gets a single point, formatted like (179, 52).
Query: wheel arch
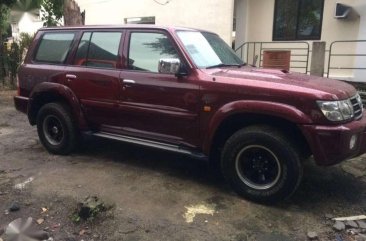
(230, 119)
(52, 92)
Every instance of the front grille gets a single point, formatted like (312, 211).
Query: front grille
(362, 93)
(357, 106)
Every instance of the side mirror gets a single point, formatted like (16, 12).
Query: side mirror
(169, 66)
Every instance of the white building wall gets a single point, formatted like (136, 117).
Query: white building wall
(29, 24)
(212, 15)
(26, 24)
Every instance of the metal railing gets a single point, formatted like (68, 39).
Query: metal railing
(332, 56)
(250, 51)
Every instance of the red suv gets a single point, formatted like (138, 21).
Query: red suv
(185, 90)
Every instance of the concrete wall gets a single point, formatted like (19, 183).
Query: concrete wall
(213, 15)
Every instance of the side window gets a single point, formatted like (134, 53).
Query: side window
(54, 47)
(98, 49)
(146, 49)
(82, 52)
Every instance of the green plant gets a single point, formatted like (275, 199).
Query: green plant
(4, 23)
(89, 209)
(5, 6)
(14, 60)
(27, 5)
(25, 41)
(12, 57)
(52, 11)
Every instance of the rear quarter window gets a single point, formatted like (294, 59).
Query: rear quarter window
(54, 47)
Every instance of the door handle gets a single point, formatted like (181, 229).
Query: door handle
(70, 77)
(128, 81)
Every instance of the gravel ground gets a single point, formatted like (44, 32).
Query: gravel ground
(154, 195)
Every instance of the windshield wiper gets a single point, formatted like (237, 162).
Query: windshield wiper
(225, 65)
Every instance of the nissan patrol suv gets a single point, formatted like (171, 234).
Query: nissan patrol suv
(185, 90)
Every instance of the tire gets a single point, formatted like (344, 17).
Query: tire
(262, 164)
(56, 129)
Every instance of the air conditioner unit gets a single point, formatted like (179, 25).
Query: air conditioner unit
(342, 11)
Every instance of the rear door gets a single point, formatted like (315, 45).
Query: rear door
(155, 105)
(94, 75)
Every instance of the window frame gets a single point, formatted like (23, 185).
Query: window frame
(297, 24)
(63, 63)
(126, 66)
(119, 65)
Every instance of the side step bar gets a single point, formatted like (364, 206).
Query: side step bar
(149, 143)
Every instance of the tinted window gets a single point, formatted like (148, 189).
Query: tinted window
(54, 47)
(146, 49)
(298, 19)
(98, 49)
(82, 52)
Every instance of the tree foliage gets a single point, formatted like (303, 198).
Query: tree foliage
(8, 3)
(5, 6)
(52, 12)
(4, 22)
(27, 5)
(4, 26)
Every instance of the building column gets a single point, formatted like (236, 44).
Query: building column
(240, 12)
(359, 75)
(318, 59)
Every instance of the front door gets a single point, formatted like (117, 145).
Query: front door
(157, 106)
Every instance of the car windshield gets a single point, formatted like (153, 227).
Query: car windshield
(208, 50)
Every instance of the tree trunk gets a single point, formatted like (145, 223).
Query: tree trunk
(72, 15)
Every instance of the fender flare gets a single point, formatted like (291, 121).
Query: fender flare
(266, 108)
(57, 91)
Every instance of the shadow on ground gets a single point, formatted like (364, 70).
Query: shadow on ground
(319, 185)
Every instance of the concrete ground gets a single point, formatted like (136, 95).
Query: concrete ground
(155, 195)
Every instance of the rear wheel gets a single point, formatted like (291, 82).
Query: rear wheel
(56, 129)
(261, 164)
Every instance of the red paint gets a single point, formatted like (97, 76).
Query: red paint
(170, 109)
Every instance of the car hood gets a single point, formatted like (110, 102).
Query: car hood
(278, 79)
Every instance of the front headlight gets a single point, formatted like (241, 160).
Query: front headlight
(336, 110)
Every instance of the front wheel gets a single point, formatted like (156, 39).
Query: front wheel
(261, 164)
(56, 129)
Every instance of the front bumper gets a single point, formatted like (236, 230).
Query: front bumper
(21, 103)
(331, 144)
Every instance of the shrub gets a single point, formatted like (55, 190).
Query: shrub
(12, 58)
